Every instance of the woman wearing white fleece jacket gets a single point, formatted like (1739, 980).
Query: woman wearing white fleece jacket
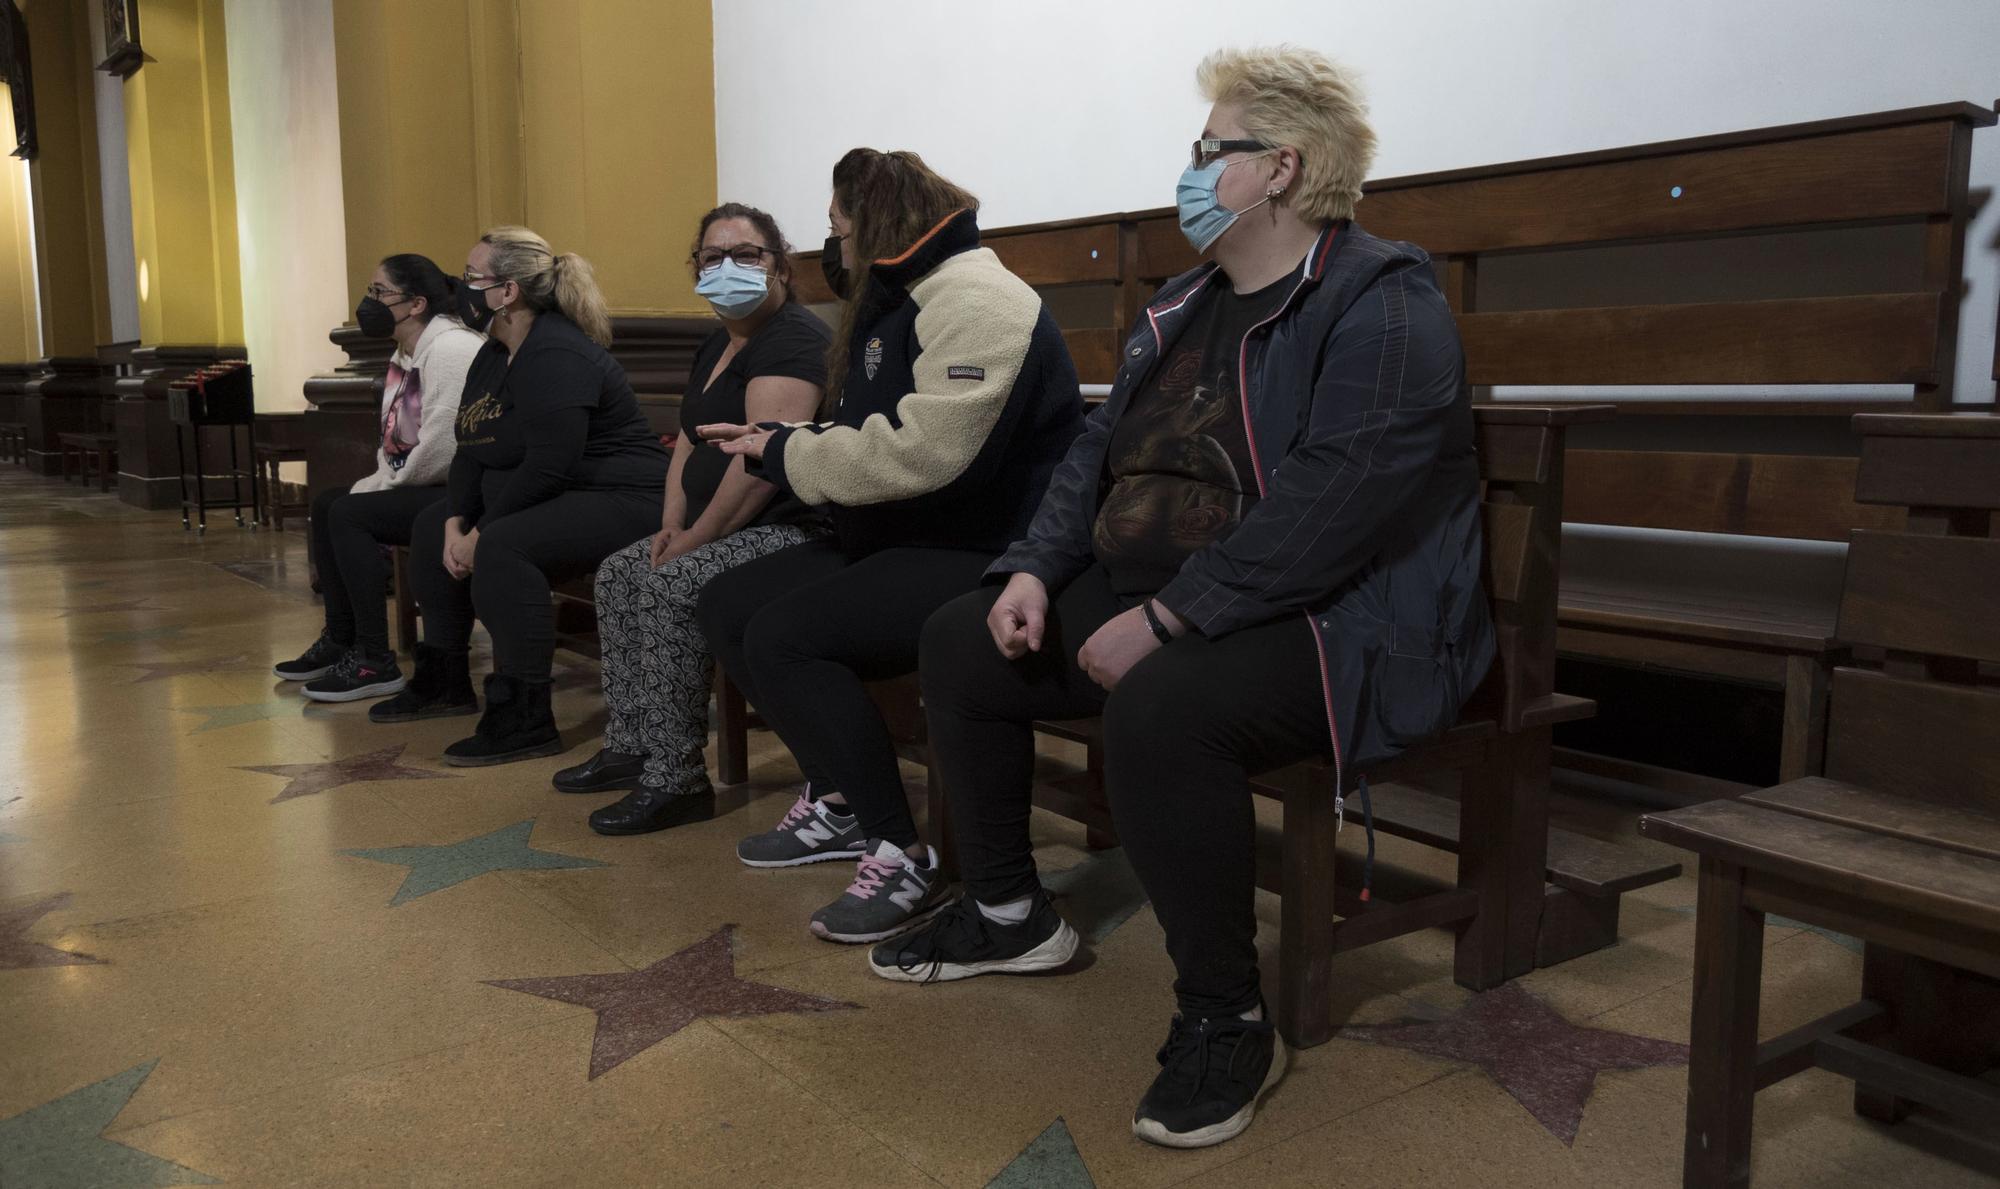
(407, 299)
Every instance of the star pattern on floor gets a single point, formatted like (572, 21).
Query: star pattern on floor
(235, 714)
(638, 1009)
(98, 608)
(60, 1142)
(435, 868)
(161, 670)
(1548, 1064)
(1051, 1161)
(142, 635)
(304, 780)
(18, 953)
(1098, 894)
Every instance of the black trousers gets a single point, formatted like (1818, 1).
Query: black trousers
(1183, 732)
(348, 533)
(518, 559)
(802, 630)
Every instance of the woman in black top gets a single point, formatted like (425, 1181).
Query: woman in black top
(556, 468)
(767, 362)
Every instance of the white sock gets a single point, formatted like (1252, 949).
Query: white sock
(1011, 913)
(1255, 1013)
(836, 808)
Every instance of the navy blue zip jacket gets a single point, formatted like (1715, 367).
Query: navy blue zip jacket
(1367, 520)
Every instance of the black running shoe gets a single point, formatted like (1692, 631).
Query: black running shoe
(316, 661)
(961, 943)
(357, 677)
(1211, 1074)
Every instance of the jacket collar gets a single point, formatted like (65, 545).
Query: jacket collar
(957, 232)
(1311, 271)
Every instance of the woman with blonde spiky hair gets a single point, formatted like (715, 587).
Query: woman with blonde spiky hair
(1264, 548)
(556, 470)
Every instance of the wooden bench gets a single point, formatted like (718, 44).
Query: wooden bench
(1899, 842)
(14, 441)
(86, 448)
(1511, 905)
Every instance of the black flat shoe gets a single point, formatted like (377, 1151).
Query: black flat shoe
(602, 773)
(644, 810)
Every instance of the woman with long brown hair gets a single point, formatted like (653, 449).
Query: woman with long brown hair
(950, 400)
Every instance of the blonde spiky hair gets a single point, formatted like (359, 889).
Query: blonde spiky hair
(1300, 99)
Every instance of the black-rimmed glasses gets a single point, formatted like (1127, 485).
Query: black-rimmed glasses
(383, 295)
(745, 255)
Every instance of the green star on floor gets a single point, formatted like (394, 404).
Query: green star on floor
(1050, 1162)
(58, 1142)
(239, 713)
(434, 868)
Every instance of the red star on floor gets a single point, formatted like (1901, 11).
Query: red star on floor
(1547, 1063)
(18, 953)
(307, 779)
(638, 1009)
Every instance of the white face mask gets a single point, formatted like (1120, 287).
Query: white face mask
(732, 290)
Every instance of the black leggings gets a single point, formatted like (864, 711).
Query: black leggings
(518, 558)
(1184, 731)
(348, 533)
(802, 630)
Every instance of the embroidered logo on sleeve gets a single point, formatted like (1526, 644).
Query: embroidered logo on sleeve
(871, 357)
(961, 372)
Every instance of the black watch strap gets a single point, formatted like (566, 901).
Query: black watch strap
(1160, 631)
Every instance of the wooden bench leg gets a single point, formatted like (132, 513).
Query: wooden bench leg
(732, 731)
(1804, 744)
(1098, 837)
(104, 469)
(1524, 760)
(1484, 801)
(1306, 924)
(1722, 1045)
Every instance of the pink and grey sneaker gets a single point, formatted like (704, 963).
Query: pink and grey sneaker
(357, 676)
(811, 832)
(892, 891)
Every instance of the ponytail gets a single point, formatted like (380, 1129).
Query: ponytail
(551, 282)
(579, 298)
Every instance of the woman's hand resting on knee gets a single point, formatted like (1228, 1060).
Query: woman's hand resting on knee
(1018, 617)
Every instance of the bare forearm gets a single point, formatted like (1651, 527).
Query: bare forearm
(738, 501)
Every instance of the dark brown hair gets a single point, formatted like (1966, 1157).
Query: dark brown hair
(767, 230)
(419, 276)
(891, 201)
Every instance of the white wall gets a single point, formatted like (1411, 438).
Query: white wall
(1057, 108)
(290, 226)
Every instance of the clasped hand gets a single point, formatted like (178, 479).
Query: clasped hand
(1019, 619)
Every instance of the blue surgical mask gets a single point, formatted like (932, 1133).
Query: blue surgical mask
(1203, 217)
(733, 290)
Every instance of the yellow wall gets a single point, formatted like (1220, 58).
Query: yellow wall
(592, 123)
(20, 330)
(177, 137)
(618, 112)
(69, 226)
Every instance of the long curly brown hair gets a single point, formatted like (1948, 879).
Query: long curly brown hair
(891, 201)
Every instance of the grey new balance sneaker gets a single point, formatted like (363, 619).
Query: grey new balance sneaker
(810, 832)
(891, 892)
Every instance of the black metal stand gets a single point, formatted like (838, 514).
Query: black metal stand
(198, 502)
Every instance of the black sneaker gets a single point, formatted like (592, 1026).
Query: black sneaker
(357, 677)
(1212, 1072)
(316, 661)
(961, 943)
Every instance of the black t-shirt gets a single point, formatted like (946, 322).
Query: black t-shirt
(561, 417)
(1182, 475)
(792, 343)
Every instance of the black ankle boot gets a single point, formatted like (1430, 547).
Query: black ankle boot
(440, 687)
(517, 725)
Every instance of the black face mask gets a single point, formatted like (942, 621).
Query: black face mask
(376, 319)
(472, 308)
(837, 278)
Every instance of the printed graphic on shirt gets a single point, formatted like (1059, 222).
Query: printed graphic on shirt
(478, 413)
(403, 416)
(871, 357)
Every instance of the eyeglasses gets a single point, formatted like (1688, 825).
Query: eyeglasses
(745, 255)
(1204, 152)
(383, 295)
(473, 278)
